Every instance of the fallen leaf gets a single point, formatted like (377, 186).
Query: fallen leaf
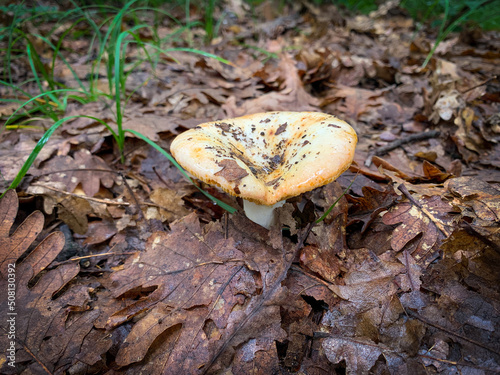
(413, 221)
(231, 171)
(46, 335)
(366, 208)
(69, 176)
(172, 203)
(200, 293)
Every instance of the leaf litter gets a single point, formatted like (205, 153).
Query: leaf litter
(400, 278)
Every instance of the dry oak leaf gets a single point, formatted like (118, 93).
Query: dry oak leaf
(359, 353)
(365, 209)
(48, 336)
(200, 290)
(413, 221)
(355, 100)
(291, 96)
(70, 177)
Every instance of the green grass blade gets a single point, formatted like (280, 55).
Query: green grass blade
(31, 57)
(36, 97)
(223, 205)
(119, 84)
(31, 158)
(323, 217)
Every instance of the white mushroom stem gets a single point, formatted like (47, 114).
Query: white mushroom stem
(261, 214)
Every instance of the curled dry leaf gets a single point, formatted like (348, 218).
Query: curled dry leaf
(366, 208)
(48, 337)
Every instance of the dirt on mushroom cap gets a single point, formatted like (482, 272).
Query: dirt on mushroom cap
(268, 157)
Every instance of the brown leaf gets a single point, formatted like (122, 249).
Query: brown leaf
(14, 154)
(367, 207)
(173, 203)
(231, 171)
(150, 125)
(356, 100)
(14, 245)
(369, 283)
(99, 231)
(321, 262)
(291, 96)
(69, 179)
(47, 335)
(413, 222)
(200, 290)
(360, 354)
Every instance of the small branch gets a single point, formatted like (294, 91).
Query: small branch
(479, 85)
(401, 141)
(465, 364)
(450, 332)
(97, 200)
(139, 209)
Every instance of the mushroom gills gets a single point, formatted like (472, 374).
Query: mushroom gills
(261, 214)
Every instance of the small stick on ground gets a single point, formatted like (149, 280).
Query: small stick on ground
(485, 82)
(132, 194)
(415, 315)
(401, 141)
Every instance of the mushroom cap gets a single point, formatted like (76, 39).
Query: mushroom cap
(267, 157)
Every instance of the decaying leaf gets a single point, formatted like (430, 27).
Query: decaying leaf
(431, 222)
(47, 335)
(90, 177)
(201, 290)
(231, 171)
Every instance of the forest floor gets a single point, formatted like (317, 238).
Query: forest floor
(124, 267)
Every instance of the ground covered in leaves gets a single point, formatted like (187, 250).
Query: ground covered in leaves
(128, 268)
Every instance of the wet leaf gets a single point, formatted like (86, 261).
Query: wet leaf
(432, 224)
(231, 171)
(69, 177)
(47, 335)
(201, 289)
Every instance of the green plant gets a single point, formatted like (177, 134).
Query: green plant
(327, 212)
(451, 15)
(112, 49)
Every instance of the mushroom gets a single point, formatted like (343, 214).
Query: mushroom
(266, 158)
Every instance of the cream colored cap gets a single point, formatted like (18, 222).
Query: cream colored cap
(268, 157)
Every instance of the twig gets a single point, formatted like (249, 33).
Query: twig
(401, 141)
(98, 200)
(132, 194)
(450, 332)
(485, 82)
(465, 364)
(264, 297)
(77, 170)
(53, 265)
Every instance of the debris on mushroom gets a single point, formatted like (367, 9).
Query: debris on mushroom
(266, 158)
